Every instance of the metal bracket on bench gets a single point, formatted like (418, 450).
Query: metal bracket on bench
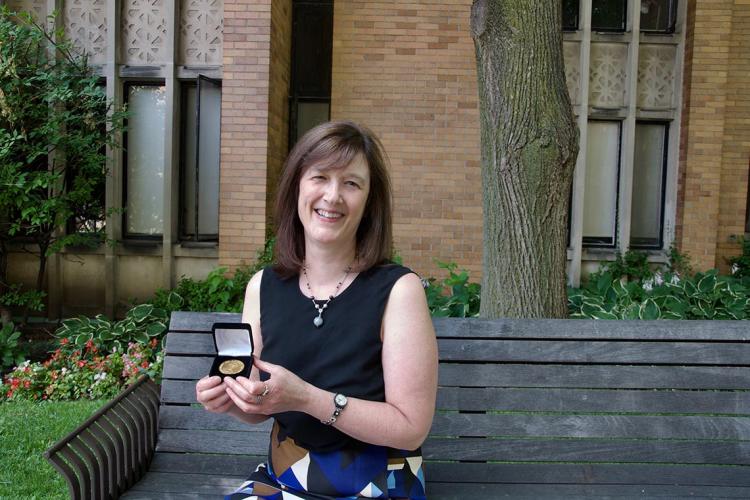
(111, 450)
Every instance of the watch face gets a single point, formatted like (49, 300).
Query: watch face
(340, 400)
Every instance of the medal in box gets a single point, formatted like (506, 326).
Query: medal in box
(234, 350)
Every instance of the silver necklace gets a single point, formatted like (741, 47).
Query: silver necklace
(318, 321)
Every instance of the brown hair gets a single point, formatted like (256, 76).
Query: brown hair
(334, 145)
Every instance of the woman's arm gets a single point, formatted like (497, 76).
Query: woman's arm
(214, 394)
(410, 373)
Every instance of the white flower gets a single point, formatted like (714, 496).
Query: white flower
(675, 279)
(63, 371)
(648, 285)
(735, 268)
(658, 279)
(99, 377)
(425, 283)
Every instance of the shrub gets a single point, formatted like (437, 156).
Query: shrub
(454, 296)
(11, 353)
(665, 296)
(141, 324)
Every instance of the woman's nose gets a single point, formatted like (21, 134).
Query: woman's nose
(332, 193)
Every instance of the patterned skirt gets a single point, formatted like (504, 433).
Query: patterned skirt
(369, 471)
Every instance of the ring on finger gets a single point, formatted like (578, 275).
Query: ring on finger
(266, 390)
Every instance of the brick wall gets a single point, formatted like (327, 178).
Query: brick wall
(736, 144)
(244, 129)
(714, 162)
(407, 71)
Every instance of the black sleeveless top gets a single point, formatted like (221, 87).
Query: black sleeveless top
(343, 355)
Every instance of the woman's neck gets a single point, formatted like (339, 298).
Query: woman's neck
(325, 265)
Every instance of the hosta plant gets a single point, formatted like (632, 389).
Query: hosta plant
(141, 324)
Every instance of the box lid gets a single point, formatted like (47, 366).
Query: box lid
(233, 339)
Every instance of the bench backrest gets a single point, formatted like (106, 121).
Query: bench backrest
(548, 401)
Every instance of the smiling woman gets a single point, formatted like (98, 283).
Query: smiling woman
(351, 380)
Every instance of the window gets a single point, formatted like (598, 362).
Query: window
(570, 15)
(608, 15)
(601, 185)
(199, 179)
(312, 47)
(658, 16)
(144, 160)
(649, 176)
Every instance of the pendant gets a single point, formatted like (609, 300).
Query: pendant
(318, 321)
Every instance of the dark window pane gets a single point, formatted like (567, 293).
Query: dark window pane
(649, 170)
(312, 42)
(608, 15)
(658, 16)
(570, 15)
(310, 114)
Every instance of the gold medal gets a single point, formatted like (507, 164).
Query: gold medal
(231, 367)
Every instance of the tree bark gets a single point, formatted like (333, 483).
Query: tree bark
(529, 147)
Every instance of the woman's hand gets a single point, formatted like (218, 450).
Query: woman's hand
(283, 391)
(211, 393)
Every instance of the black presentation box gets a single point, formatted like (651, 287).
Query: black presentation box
(234, 345)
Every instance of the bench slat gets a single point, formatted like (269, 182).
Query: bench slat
(695, 330)
(186, 417)
(593, 376)
(232, 465)
(166, 482)
(553, 400)
(588, 450)
(547, 351)
(518, 375)
(591, 426)
(588, 474)
(246, 442)
(462, 491)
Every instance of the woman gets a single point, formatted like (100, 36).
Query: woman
(346, 358)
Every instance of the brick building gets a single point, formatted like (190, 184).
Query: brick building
(219, 89)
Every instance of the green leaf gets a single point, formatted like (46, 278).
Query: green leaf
(156, 328)
(141, 312)
(649, 310)
(141, 337)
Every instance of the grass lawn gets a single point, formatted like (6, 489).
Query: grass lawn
(26, 430)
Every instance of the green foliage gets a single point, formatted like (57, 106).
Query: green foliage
(679, 263)
(141, 324)
(87, 373)
(631, 266)
(11, 351)
(664, 296)
(454, 296)
(16, 296)
(218, 292)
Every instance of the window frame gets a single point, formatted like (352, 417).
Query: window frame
(572, 27)
(126, 235)
(663, 194)
(183, 235)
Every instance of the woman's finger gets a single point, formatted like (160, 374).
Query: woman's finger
(208, 394)
(218, 405)
(208, 382)
(241, 403)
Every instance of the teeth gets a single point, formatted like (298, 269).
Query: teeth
(328, 215)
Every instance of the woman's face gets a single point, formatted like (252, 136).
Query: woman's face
(332, 201)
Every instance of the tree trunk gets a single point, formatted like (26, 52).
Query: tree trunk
(529, 148)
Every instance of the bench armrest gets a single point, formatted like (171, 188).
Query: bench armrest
(111, 450)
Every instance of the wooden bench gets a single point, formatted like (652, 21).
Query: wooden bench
(526, 408)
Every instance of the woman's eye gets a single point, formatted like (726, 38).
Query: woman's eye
(353, 184)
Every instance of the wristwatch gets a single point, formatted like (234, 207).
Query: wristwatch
(339, 401)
